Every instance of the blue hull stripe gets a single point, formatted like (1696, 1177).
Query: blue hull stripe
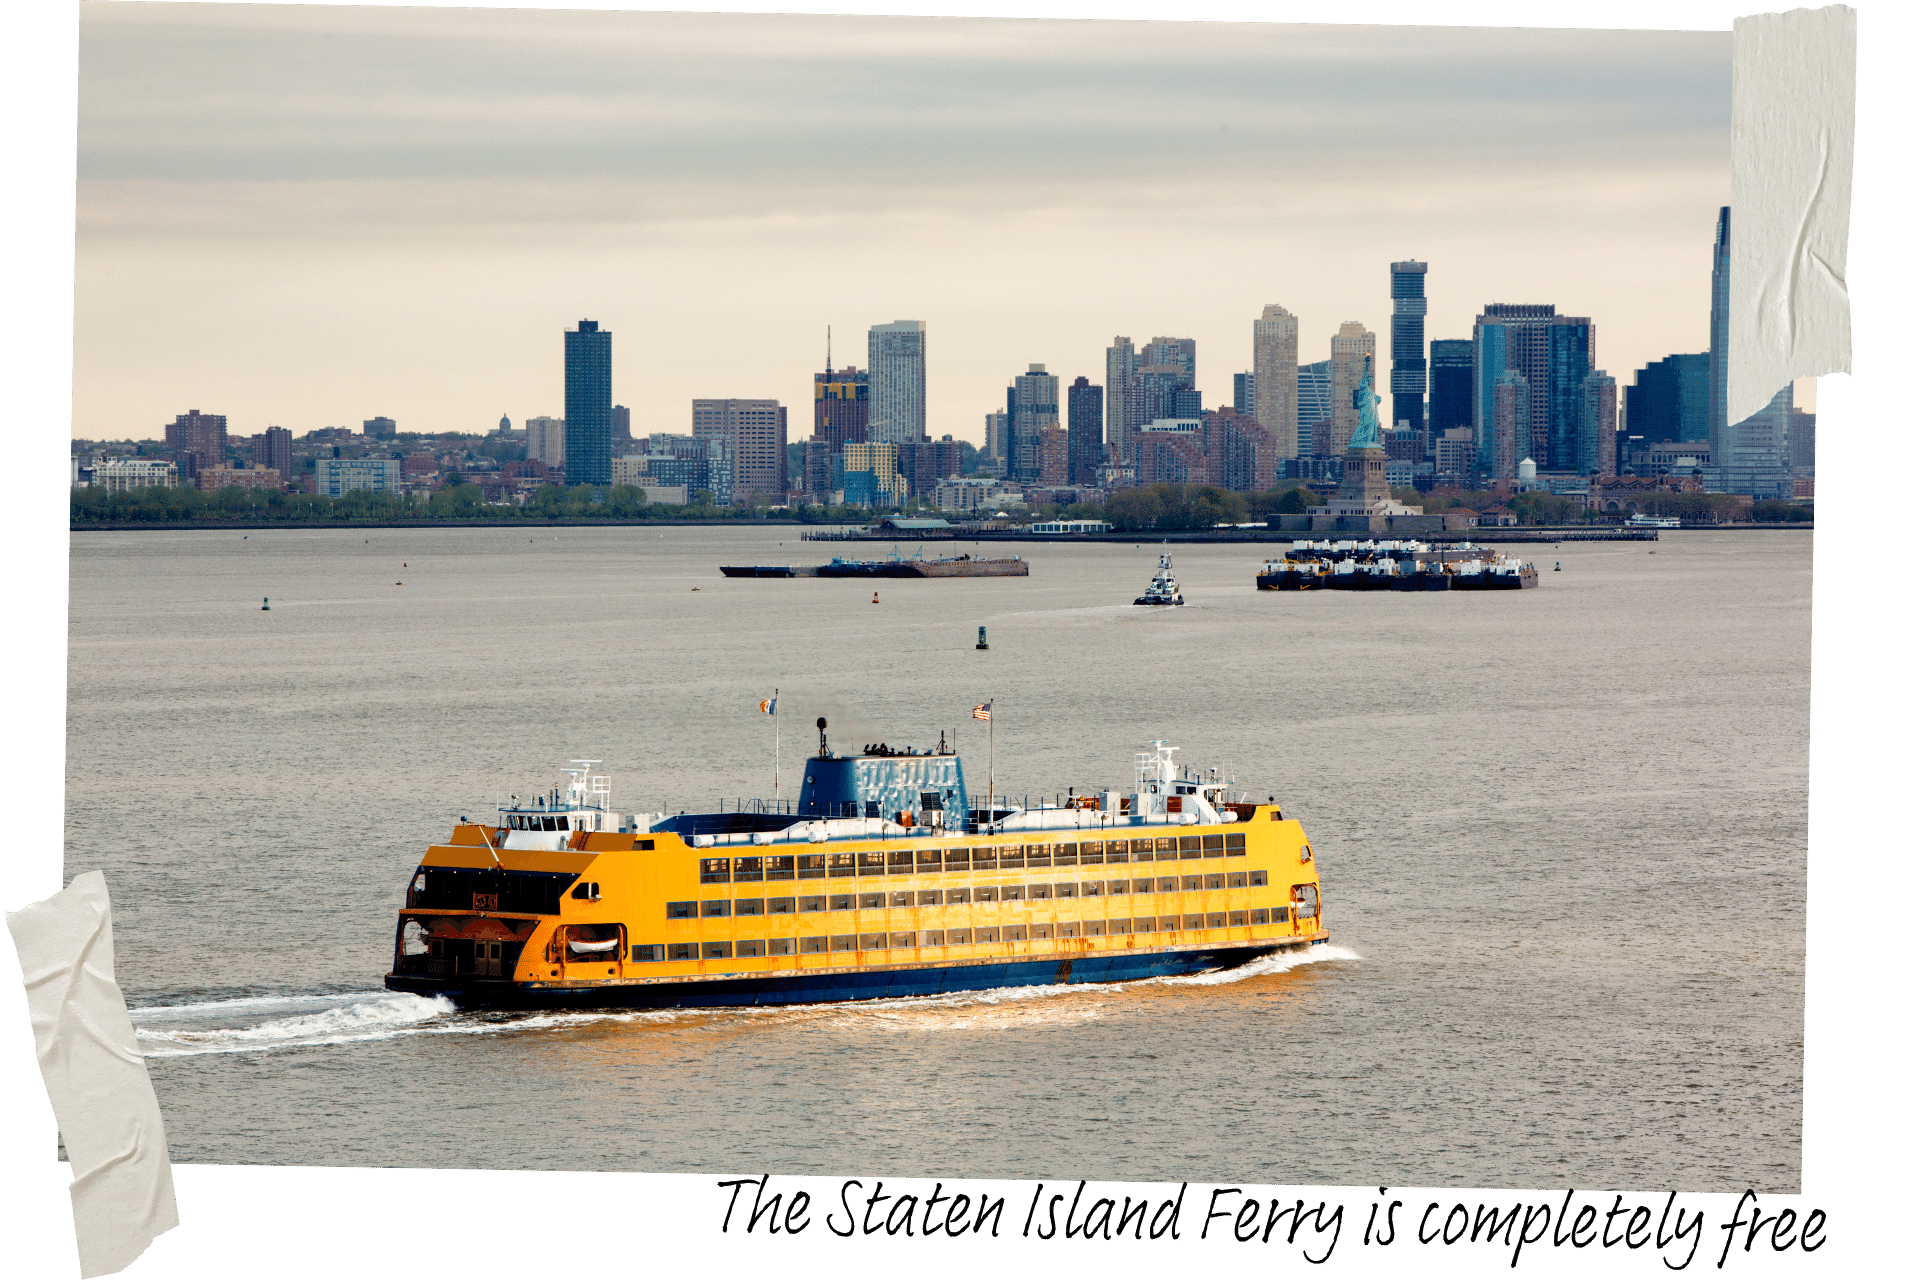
(804, 988)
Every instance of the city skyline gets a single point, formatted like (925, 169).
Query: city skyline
(452, 251)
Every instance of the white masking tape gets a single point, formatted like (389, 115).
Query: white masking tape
(96, 1079)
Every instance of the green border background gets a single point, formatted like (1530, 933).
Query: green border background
(237, 1221)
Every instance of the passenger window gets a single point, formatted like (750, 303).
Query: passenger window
(984, 857)
(1014, 933)
(779, 946)
(646, 952)
(1256, 877)
(1236, 880)
(813, 904)
(716, 950)
(1189, 846)
(779, 906)
(929, 897)
(1039, 891)
(749, 949)
(1066, 930)
(1216, 882)
(873, 941)
(1066, 890)
(683, 951)
(1116, 851)
(812, 866)
(872, 862)
(1306, 853)
(987, 893)
(746, 869)
(1189, 882)
(900, 862)
(1143, 886)
(1259, 915)
(840, 902)
(1237, 844)
(1039, 931)
(643, 844)
(843, 942)
(900, 939)
(680, 911)
(1095, 928)
(1212, 846)
(779, 868)
(873, 901)
(580, 890)
(1142, 846)
(933, 938)
(839, 864)
(957, 895)
(714, 870)
(1148, 924)
(959, 937)
(1090, 889)
(927, 859)
(749, 906)
(715, 907)
(1216, 919)
(1116, 886)
(986, 935)
(1167, 884)
(812, 946)
(900, 899)
(1012, 892)
(1235, 919)
(956, 858)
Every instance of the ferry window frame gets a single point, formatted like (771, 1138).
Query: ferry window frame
(845, 942)
(872, 902)
(683, 951)
(683, 911)
(750, 948)
(715, 950)
(813, 902)
(1217, 880)
(811, 866)
(1189, 845)
(873, 942)
(871, 862)
(986, 857)
(957, 858)
(930, 898)
(1066, 929)
(1039, 932)
(839, 902)
(899, 899)
(1236, 844)
(1193, 920)
(644, 846)
(989, 934)
(1166, 884)
(779, 946)
(1258, 915)
(959, 937)
(928, 860)
(933, 937)
(1236, 879)
(1012, 892)
(1256, 878)
(1066, 890)
(781, 906)
(1216, 919)
(986, 893)
(1141, 886)
(749, 906)
(813, 945)
(1013, 933)
(900, 862)
(1039, 892)
(716, 908)
(780, 867)
(1213, 846)
(748, 869)
(897, 940)
(1116, 886)
(1236, 919)
(1012, 855)
(649, 952)
(1191, 884)
(1094, 928)
(716, 870)
(1092, 888)
(958, 897)
(840, 864)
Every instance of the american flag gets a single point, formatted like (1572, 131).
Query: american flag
(983, 712)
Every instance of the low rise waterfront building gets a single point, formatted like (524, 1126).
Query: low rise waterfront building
(119, 474)
(257, 476)
(337, 477)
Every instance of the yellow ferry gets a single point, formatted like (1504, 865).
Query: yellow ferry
(882, 880)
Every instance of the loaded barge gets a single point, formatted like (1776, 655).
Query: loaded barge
(883, 880)
(896, 566)
(1394, 566)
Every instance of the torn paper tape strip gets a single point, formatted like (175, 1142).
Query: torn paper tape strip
(109, 1118)
(1793, 105)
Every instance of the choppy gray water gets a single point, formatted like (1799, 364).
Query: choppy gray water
(1562, 834)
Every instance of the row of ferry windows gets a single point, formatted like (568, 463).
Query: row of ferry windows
(716, 907)
(992, 857)
(952, 937)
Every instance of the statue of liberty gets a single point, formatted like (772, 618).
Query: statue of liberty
(1367, 434)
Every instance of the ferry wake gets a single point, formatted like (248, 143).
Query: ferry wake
(883, 880)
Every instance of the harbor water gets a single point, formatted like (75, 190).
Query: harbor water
(1562, 834)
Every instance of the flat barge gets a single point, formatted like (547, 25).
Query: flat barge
(893, 567)
(1394, 566)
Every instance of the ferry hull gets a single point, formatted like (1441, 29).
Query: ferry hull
(824, 987)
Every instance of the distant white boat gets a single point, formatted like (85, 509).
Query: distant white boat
(1640, 521)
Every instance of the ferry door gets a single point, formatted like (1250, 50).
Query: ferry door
(486, 959)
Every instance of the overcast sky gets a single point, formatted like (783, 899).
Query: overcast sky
(306, 217)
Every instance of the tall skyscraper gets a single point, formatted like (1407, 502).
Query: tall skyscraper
(1122, 363)
(1409, 340)
(1669, 399)
(1033, 404)
(622, 429)
(997, 445)
(276, 451)
(1316, 405)
(1510, 432)
(1174, 351)
(589, 351)
(1599, 424)
(1084, 403)
(1717, 341)
(547, 442)
(1243, 394)
(1752, 455)
(197, 440)
(1352, 364)
(1276, 376)
(756, 431)
(1555, 354)
(840, 406)
(1450, 384)
(897, 382)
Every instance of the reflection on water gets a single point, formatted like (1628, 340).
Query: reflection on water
(1562, 835)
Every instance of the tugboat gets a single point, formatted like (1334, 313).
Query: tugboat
(885, 879)
(1163, 589)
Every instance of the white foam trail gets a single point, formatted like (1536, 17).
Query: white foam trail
(164, 1012)
(375, 1018)
(1278, 962)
